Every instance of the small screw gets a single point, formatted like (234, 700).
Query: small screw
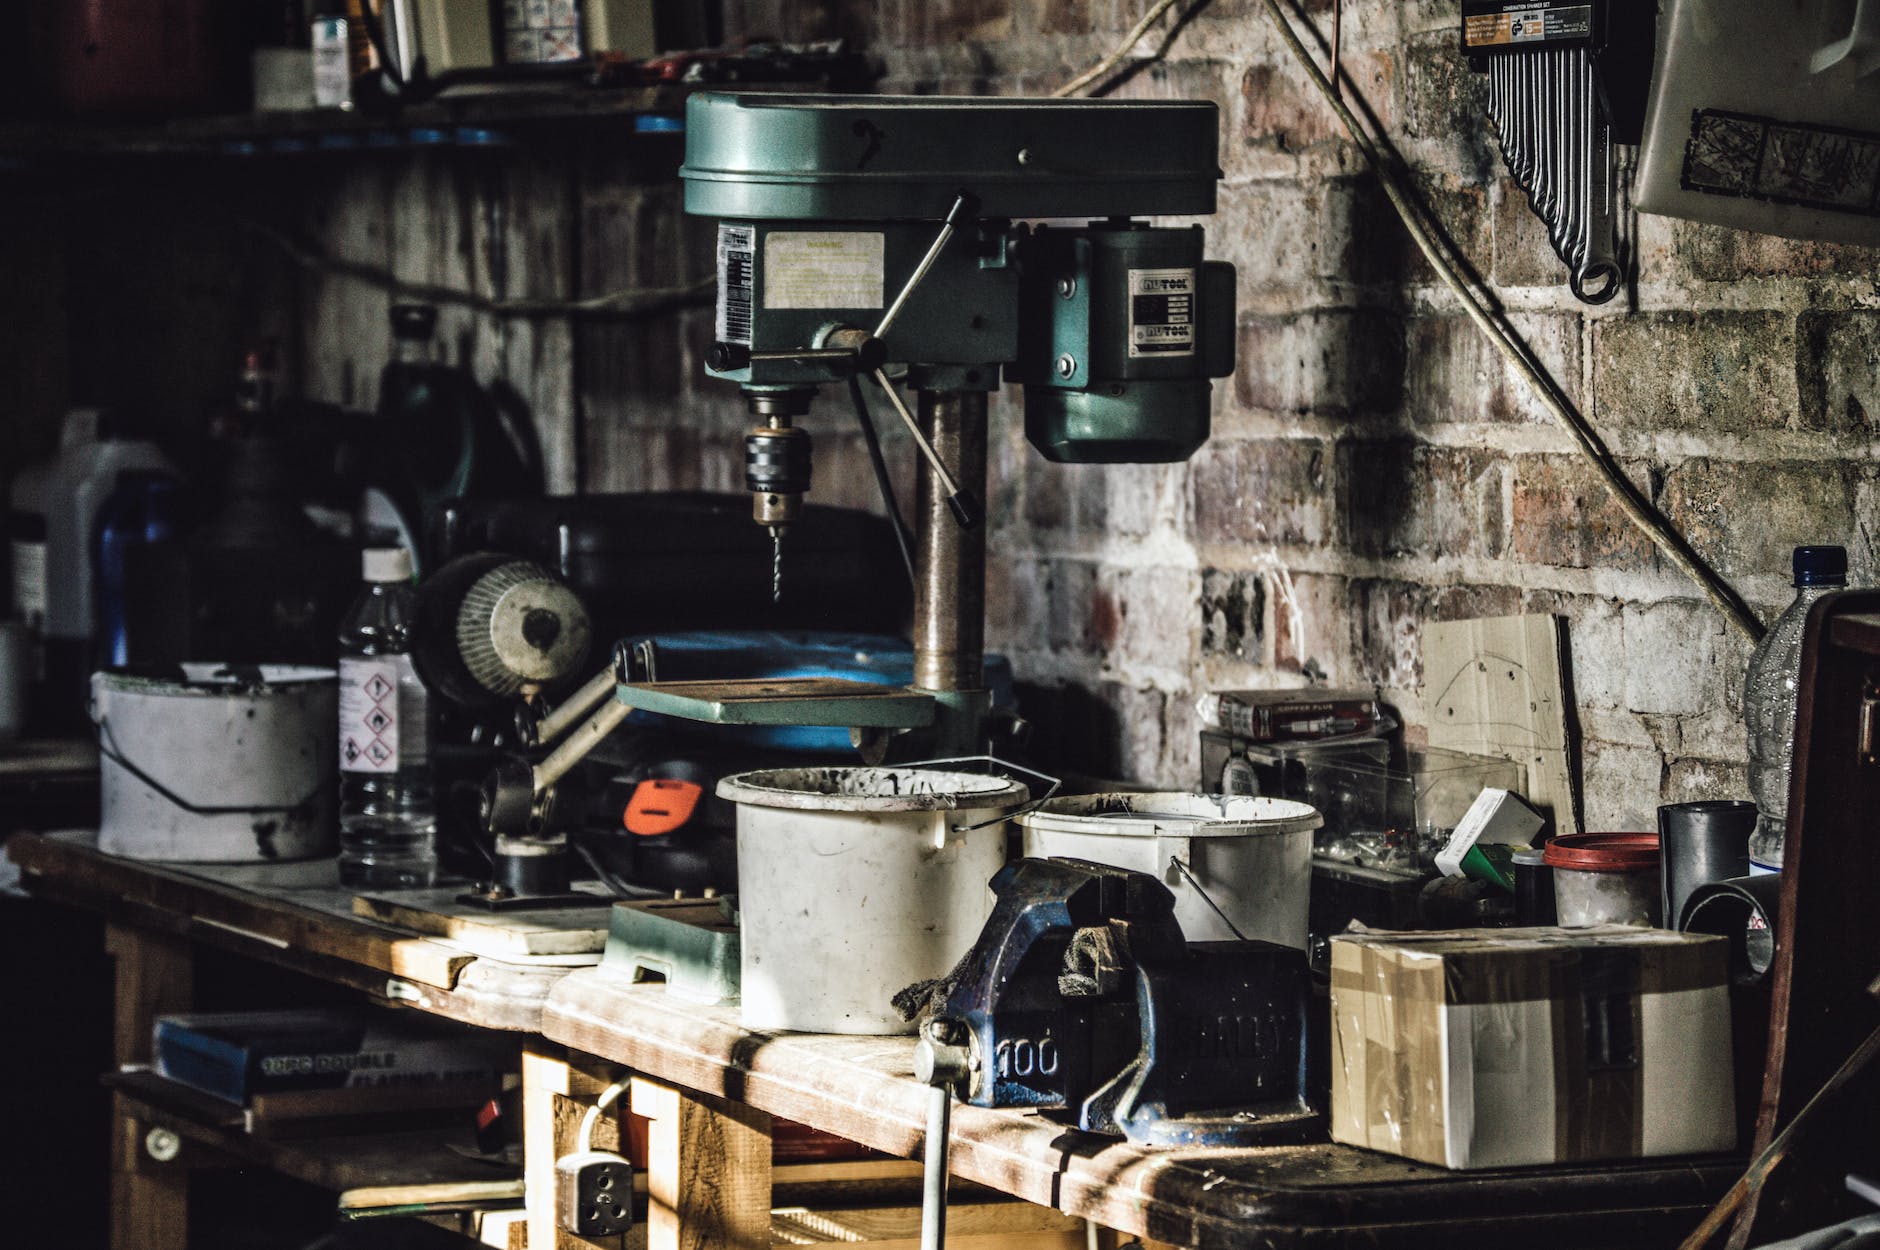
(1067, 287)
(1066, 365)
(162, 1144)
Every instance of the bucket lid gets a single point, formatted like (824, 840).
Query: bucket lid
(871, 790)
(1604, 852)
(1172, 814)
(201, 677)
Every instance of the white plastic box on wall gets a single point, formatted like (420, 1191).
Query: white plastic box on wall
(1487, 1048)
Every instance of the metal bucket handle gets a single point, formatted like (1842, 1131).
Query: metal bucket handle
(108, 747)
(1032, 806)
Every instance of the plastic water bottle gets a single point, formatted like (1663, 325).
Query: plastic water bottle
(387, 822)
(1769, 701)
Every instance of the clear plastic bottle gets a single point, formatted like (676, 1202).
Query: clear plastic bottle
(1769, 701)
(387, 820)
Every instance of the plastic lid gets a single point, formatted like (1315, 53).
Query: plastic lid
(1603, 852)
(1529, 855)
(1820, 566)
(386, 564)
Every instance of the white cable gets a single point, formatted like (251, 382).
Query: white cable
(1115, 58)
(585, 1141)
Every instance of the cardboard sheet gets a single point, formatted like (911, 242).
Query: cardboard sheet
(1494, 686)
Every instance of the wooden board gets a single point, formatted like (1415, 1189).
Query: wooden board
(294, 915)
(1494, 687)
(498, 934)
(351, 1161)
(1314, 1195)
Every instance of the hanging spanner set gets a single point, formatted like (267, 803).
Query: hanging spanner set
(1567, 83)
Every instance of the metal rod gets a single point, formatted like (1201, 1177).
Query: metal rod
(574, 707)
(963, 208)
(949, 559)
(581, 741)
(920, 439)
(933, 1196)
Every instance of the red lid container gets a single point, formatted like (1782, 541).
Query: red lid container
(1603, 852)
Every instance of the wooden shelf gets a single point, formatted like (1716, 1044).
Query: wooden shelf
(472, 119)
(386, 1161)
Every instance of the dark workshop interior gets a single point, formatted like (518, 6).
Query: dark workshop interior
(641, 624)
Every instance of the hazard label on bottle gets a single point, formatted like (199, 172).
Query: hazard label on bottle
(368, 714)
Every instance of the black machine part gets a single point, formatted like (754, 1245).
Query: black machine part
(492, 626)
(1082, 993)
(634, 560)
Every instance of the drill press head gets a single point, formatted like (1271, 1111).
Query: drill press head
(858, 232)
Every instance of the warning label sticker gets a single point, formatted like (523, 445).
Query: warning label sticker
(823, 269)
(368, 715)
(1526, 24)
(737, 257)
(1161, 312)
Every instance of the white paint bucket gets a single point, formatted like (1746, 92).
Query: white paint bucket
(222, 765)
(854, 883)
(1251, 856)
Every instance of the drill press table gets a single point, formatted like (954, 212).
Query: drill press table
(863, 1088)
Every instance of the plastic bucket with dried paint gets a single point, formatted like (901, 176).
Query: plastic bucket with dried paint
(217, 764)
(1252, 857)
(1605, 878)
(856, 882)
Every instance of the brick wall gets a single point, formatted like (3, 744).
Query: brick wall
(1373, 466)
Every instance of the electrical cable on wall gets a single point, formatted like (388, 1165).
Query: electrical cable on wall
(1441, 254)
(633, 302)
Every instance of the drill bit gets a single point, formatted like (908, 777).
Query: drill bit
(776, 564)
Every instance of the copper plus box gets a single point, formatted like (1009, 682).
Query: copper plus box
(1502, 1047)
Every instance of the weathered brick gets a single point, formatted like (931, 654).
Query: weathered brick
(1283, 234)
(1838, 369)
(1621, 786)
(1523, 256)
(1710, 371)
(1017, 605)
(1262, 492)
(1565, 516)
(1155, 615)
(1387, 631)
(1722, 254)
(1082, 615)
(1701, 780)
(1453, 374)
(1311, 624)
(1595, 645)
(1747, 518)
(1331, 360)
(1283, 111)
(1139, 499)
(1445, 102)
(1403, 498)
(1233, 615)
(1673, 657)
(1460, 208)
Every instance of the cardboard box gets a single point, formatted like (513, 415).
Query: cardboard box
(1504, 1047)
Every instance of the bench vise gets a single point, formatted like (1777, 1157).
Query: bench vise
(1082, 993)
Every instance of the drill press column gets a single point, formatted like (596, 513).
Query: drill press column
(950, 559)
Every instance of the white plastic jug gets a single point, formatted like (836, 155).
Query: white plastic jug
(1766, 116)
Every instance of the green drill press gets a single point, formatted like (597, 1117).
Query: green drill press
(898, 239)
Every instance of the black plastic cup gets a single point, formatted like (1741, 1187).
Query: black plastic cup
(1700, 843)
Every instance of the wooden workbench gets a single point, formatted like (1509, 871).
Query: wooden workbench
(708, 1080)
(863, 1088)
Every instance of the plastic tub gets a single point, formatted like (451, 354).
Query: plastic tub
(856, 882)
(1251, 856)
(1605, 878)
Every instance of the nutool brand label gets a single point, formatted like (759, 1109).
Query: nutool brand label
(1161, 312)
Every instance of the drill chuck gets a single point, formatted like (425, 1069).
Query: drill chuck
(776, 472)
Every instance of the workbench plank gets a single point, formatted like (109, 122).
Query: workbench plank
(1314, 1195)
(294, 915)
(149, 1202)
